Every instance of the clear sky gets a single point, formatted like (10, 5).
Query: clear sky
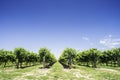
(58, 24)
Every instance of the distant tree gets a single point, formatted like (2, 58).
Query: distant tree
(6, 56)
(105, 57)
(68, 57)
(116, 55)
(20, 56)
(94, 55)
(83, 57)
(11, 57)
(27, 58)
(46, 57)
(42, 54)
(33, 57)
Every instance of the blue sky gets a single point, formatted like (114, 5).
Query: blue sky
(58, 24)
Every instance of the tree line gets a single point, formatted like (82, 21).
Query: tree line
(21, 57)
(93, 57)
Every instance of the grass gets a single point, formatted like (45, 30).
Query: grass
(7, 74)
(101, 73)
(57, 72)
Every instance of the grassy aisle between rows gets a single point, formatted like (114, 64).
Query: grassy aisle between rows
(57, 72)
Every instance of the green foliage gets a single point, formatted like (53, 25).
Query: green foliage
(92, 57)
(88, 56)
(31, 57)
(46, 57)
(6, 56)
(83, 57)
(23, 55)
(20, 56)
(42, 53)
(116, 56)
(68, 57)
(111, 57)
